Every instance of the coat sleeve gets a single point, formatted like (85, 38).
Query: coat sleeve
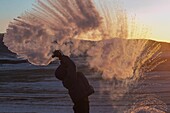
(71, 78)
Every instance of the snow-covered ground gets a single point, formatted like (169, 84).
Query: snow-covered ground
(30, 89)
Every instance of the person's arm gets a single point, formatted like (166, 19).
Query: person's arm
(70, 67)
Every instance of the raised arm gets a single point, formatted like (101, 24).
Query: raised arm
(70, 67)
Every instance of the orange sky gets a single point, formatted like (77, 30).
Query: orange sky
(153, 13)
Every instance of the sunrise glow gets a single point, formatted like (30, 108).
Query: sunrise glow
(155, 14)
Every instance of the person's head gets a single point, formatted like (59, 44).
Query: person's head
(57, 53)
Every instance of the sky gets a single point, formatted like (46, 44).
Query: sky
(153, 13)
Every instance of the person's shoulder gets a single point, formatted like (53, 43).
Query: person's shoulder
(65, 56)
(68, 60)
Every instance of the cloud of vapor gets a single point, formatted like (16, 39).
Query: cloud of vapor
(62, 24)
(51, 25)
(119, 57)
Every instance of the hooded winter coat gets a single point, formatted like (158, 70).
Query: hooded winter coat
(76, 83)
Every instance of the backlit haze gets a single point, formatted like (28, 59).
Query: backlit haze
(155, 14)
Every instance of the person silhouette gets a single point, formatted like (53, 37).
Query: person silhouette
(77, 84)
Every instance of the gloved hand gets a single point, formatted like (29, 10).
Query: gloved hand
(57, 53)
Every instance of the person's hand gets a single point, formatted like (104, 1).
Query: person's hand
(57, 53)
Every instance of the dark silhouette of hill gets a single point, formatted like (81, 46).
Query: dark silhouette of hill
(3, 48)
(5, 52)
